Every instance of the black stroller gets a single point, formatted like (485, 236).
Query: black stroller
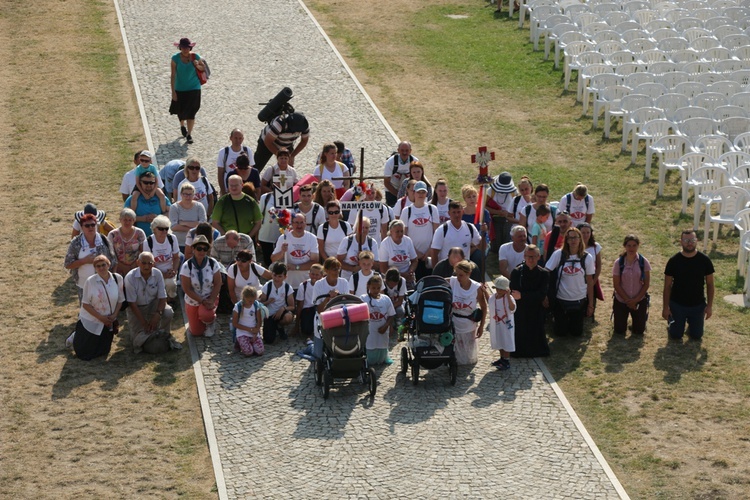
(429, 320)
(344, 354)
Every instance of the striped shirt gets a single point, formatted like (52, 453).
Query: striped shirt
(287, 129)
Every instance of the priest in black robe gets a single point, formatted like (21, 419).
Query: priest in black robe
(531, 281)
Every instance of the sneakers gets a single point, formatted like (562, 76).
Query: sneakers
(502, 364)
(189, 139)
(211, 330)
(183, 130)
(69, 340)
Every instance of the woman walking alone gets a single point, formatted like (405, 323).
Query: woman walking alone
(186, 86)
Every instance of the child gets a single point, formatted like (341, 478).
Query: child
(149, 175)
(381, 321)
(539, 229)
(246, 319)
(326, 289)
(395, 288)
(305, 306)
(358, 282)
(278, 297)
(502, 337)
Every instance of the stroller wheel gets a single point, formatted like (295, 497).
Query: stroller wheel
(327, 382)
(373, 381)
(404, 360)
(453, 370)
(318, 372)
(415, 372)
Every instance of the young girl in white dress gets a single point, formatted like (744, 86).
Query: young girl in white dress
(381, 319)
(502, 324)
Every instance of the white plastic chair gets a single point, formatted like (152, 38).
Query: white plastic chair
(673, 78)
(715, 54)
(567, 38)
(671, 102)
(704, 180)
(732, 127)
(635, 5)
(627, 26)
(733, 41)
(578, 55)
(684, 56)
(728, 66)
(728, 201)
(672, 44)
(713, 145)
(608, 47)
(659, 24)
(633, 34)
(710, 100)
(616, 17)
(597, 83)
(687, 22)
(650, 133)
(537, 17)
(634, 79)
(709, 78)
(641, 45)
(693, 33)
(741, 76)
(717, 21)
(723, 112)
(653, 90)
(690, 162)
(583, 19)
(732, 160)
(644, 16)
(736, 13)
(742, 53)
(609, 100)
(545, 27)
(741, 177)
(669, 149)
(689, 89)
(584, 78)
(742, 142)
(528, 7)
(726, 87)
(633, 121)
(660, 68)
(742, 259)
(592, 29)
(697, 67)
(606, 8)
(620, 58)
(704, 14)
(687, 112)
(702, 44)
(553, 37)
(696, 127)
(606, 35)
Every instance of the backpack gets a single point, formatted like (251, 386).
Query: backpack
(190, 263)
(150, 242)
(226, 154)
(569, 200)
(266, 289)
(527, 212)
(258, 307)
(396, 157)
(344, 227)
(516, 202)
(350, 241)
(252, 268)
(315, 210)
(429, 209)
(470, 226)
(621, 262)
(206, 184)
(556, 275)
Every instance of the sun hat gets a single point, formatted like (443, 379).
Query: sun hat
(200, 239)
(502, 283)
(184, 42)
(503, 183)
(420, 186)
(90, 208)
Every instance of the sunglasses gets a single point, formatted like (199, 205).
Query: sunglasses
(163, 228)
(145, 160)
(92, 224)
(148, 183)
(334, 213)
(195, 167)
(201, 249)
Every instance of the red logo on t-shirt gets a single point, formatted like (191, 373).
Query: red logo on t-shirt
(578, 215)
(298, 253)
(571, 269)
(376, 315)
(420, 222)
(461, 305)
(400, 258)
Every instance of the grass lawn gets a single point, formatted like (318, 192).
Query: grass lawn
(452, 76)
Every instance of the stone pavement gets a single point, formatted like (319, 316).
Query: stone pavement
(493, 434)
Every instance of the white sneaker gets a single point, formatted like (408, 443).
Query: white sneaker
(210, 330)
(69, 340)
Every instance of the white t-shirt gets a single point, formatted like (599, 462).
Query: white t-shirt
(290, 176)
(397, 291)
(531, 219)
(338, 171)
(128, 182)
(277, 297)
(305, 294)
(377, 219)
(577, 208)
(312, 224)
(350, 249)
(443, 211)
(163, 252)
(333, 238)
(505, 200)
(507, 252)
(240, 282)
(445, 239)
(464, 302)
(87, 270)
(572, 282)
(401, 173)
(380, 310)
(321, 290)
(401, 205)
(232, 157)
(419, 224)
(202, 287)
(201, 193)
(298, 250)
(269, 228)
(246, 318)
(361, 280)
(594, 251)
(397, 255)
(522, 203)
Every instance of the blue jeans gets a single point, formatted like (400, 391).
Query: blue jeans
(694, 315)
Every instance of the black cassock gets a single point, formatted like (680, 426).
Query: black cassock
(531, 341)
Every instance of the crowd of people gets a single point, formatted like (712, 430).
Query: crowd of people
(242, 245)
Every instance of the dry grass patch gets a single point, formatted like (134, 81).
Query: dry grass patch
(128, 426)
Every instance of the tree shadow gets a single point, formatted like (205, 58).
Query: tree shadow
(496, 386)
(678, 357)
(171, 150)
(621, 351)
(65, 293)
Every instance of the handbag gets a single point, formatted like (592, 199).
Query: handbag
(204, 75)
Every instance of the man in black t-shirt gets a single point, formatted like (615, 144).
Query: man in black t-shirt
(684, 276)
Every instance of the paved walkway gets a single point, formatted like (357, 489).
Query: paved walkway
(493, 434)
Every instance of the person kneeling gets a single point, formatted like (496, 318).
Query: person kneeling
(246, 320)
(278, 297)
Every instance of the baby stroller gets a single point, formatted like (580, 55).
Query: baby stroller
(430, 329)
(344, 354)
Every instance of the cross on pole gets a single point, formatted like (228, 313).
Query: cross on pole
(482, 158)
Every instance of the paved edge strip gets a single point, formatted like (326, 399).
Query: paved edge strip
(349, 71)
(208, 424)
(136, 87)
(582, 429)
